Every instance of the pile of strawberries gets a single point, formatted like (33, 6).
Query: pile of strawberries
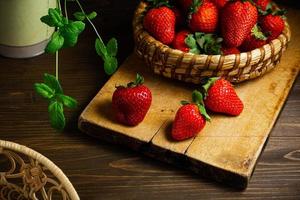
(132, 102)
(214, 26)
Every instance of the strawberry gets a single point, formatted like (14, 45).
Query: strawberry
(179, 41)
(227, 51)
(190, 118)
(262, 4)
(220, 3)
(222, 98)
(272, 25)
(203, 17)
(237, 20)
(160, 23)
(254, 40)
(131, 103)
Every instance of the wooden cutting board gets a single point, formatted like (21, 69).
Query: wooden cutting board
(228, 147)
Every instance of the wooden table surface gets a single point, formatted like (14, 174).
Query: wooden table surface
(101, 170)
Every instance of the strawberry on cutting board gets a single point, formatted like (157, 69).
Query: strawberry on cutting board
(190, 118)
(237, 20)
(160, 23)
(222, 98)
(203, 16)
(131, 103)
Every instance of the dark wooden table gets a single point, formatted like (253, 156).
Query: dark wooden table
(100, 170)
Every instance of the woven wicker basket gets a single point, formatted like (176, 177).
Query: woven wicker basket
(189, 67)
(31, 176)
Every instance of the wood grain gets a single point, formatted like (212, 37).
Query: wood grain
(100, 170)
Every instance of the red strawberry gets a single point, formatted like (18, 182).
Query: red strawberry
(220, 3)
(204, 17)
(160, 23)
(228, 51)
(272, 25)
(262, 4)
(222, 98)
(237, 20)
(190, 119)
(254, 40)
(179, 17)
(179, 41)
(132, 103)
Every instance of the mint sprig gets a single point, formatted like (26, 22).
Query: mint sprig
(51, 90)
(66, 34)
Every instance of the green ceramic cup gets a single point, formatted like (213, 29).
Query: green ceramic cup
(22, 34)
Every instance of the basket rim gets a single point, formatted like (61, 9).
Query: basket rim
(55, 170)
(138, 27)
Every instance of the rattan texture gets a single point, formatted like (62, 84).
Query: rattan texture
(189, 67)
(32, 176)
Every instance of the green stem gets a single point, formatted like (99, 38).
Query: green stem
(58, 4)
(66, 11)
(95, 29)
(56, 65)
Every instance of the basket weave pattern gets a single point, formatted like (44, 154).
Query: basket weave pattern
(32, 176)
(189, 67)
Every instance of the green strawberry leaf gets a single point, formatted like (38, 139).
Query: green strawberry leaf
(203, 112)
(44, 90)
(257, 33)
(184, 102)
(56, 115)
(53, 83)
(56, 42)
(67, 101)
(197, 97)
(112, 47)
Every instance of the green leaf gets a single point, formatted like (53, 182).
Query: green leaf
(100, 49)
(197, 97)
(56, 16)
(79, 16)
(67, 101)
(92, 15)
(190, 41)
(44, 90)
(77, 26)
(48, 20)
(55, 43)
(203, 112)
(56, 115)
(53, 83)
(184, 102)
(110, 65)
(112, 47)
(257, 33)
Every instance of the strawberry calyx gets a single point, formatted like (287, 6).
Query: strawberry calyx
(158, 3)
(197, 98)
(273, 10)
(194, 8)
(204, 43)
(257, 33)
(139, 80)
(208, 83)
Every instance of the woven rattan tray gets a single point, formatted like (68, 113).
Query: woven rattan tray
(26, 174)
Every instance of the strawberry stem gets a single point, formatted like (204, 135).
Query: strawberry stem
(198, 100)
(209, 83)
(139, 80)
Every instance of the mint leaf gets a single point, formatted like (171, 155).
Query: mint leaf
(79, 16)
(100, 49)
(67, 101)
(56, 115)
(110, 65)
(53, 83)
(55, 43)
(112, 47)
(44, 90)
(92, 15)
(55, 16)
